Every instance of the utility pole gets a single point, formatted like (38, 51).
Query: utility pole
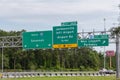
(104, 46)
(117, 56)
(118, 50)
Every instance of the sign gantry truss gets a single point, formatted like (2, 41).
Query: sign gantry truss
(16, 41)
(87, 35)
(11, 41)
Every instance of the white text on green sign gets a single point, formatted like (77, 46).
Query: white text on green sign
(93, 42)
(38, 39)
(64, 35)
(105, 36)
(69, 23)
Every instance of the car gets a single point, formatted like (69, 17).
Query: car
(110, 72)
(105, 71)
(102, 71)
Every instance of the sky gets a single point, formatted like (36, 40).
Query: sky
(41, 15)
(34, 15)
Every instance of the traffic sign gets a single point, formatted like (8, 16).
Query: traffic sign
(105, 36)
(92, 42)
(38, 39)
(110, 53)
(69, 23)
(65, 45)
(64, 36)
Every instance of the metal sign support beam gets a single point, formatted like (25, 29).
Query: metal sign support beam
(2, 60)
(118, 57)
(9, 41)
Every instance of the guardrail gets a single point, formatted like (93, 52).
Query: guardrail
(49, 74)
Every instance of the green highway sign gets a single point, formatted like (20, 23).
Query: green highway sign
(65, 36)
(38, 39)
(93, 42)
(69, 23)
(101, 36)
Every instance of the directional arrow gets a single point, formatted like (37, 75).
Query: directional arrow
(104, 42)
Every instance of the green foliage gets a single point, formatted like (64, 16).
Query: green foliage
(115, 30)
(31, 66)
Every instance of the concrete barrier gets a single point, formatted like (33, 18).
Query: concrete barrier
(49, 74)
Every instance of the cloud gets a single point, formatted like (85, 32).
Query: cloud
(37, 1)
(16, 9)
(54, 11)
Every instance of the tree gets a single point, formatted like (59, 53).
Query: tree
(115, 31)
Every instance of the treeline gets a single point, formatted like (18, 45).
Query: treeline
(82, 59)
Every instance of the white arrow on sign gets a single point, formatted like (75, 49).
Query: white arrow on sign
(49, 44)
(25, 45)
(104, 42)
(37, 45)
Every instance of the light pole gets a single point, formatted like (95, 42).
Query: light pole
(104, 46)
(118, 50)
(117, 56)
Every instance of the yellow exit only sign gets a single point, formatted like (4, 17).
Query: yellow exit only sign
(65, 46)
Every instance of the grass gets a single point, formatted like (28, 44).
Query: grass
(66, 78)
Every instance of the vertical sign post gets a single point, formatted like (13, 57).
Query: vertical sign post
(110, 53)
(2, 65)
